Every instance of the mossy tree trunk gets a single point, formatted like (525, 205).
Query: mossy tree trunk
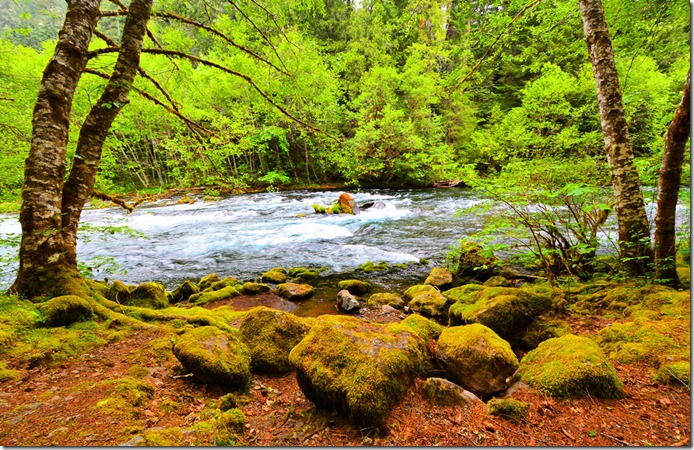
(669, 180)
(50, 207)
(633, 228)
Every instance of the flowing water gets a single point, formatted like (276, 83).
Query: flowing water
(244, 235)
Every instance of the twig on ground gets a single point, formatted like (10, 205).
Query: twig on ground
(617, 440)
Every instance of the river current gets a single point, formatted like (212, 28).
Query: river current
(244, 235)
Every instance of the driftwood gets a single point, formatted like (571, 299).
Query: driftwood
(112, 198)
(448, 183)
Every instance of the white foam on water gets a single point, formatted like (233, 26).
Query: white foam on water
(301, 232)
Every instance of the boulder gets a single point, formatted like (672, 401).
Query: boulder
(274, 276)
(476, 358)
(148, 295)
(497, 281)
(508, 408)
(294, 291)
(65, 310)
(270, 335)
(347, 301)
(250, 288)
(209, 295)
(430, 304)
(358, 368)
(207, 281)
(474, 263)
(422, 327)
(214, 356)
(440, 277)
(570, 366)
(386, 298)
(507, 311)
(356, 287)
(119, 292)
(441, 392)
(221, 284)
(419, 289)
(347, 204)
(184, 291)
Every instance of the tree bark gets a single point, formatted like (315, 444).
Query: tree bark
(633, 228)
(669, 180)
(97, 124)
(42, 250)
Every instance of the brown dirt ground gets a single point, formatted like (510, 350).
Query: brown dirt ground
(57, 406)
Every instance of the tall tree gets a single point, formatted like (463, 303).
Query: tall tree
(630, 209)
(669, 180)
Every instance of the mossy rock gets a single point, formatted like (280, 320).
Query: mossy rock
(226, 282)
(677, 373)
(119, 291)
(422, 327)
(570, 366)
(250, 288)
(508, 408)
(476, 358)
(307, 275)
(214, 356)
(65, 310)
(440, 277)
(419, 289)
(205, 297)
(274, 276)
(294, 291)
(370, 267)
(184, 291)
(296, 271)
(684, 274)
(358, 368)
(542, 329)
(461, 293)
(507, 311)
(497, 281)
(270, 335)
(230, 426)
(386, 298)
(473, 262)
(148, 295)
(430, 304)
(442, 392)
(207, 281)
(355, 287)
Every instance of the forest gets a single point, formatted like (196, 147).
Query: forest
(559, 316)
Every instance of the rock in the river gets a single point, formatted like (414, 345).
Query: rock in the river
(214, 356)
(274, 276)
(207, 281)
(65, 310)
(442, 392)
(356, 287)
(184, 291)
(294, 291)
(347, 302)
(476, 358)
(270, 335)
(386, 298)
(250, 288)
(440, 277)
(359, 368)
(570, 366)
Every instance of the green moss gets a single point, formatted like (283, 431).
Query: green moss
(221, 284)
(370, 267)
(227, 402)
(355, 287)
(61, 311)
(203, 298)
(460, 294)
(125, 395)
(184, 291)
(684, 274)
(119, 292)
(677, 373)
(50, 346)
(207, 281)
(422, 327)
(440, 277)
(508, 408)
(214, 356)
(419, 289)
(137, 371)
(250, 288)
(270, 335)
(274, 276)
(357, 367)
(497, 281)
(168, 437)
(9, 375)
(231, 423)
(296, 271)
(295, 291)
(318, 208)
(570, 366)
(542, 329)
(385, 298)
(430, 304)
(147, 295)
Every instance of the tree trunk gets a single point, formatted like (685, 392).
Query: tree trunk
(633, 228)
(97, 124)
(669, 180)
(42, 252)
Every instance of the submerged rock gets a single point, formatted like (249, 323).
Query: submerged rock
(270, 335)
(358, 368)
(214, 356)
(441, 392)
(65, 310)
(347, 302)
(476, 358)
(294, 291)
(570, 366)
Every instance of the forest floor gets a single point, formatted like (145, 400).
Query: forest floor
(77, 404)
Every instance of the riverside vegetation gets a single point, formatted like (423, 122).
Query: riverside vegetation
(561, 342)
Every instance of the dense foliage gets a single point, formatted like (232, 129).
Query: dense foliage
(405, 92)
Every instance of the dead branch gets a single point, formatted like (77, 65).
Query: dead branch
(617, 440)
(110, 42)
(113, 199)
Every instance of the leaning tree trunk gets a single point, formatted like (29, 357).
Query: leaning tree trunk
(669, 180)
(633, 228)
(42, 257)
(97, 124)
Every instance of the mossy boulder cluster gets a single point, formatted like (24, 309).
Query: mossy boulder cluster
(145, 295)
(65, 310)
